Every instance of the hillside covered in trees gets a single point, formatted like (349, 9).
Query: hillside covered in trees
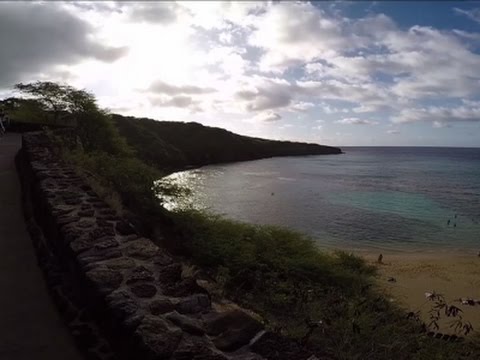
(176, 145)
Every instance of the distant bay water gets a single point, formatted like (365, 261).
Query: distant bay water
(370, 198)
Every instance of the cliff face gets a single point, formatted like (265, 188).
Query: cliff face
(174, 145)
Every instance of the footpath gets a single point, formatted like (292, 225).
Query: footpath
(30, 327)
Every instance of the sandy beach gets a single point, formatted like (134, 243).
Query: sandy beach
(454, 275)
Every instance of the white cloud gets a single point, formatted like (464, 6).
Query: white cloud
(439, 115)
(393, 132)
(268, 116)
(178, 101)
(302, 106)
(162, 87)
(473, 14)
(355, 121)
(227, 61)
(266, 94)
(287, 32)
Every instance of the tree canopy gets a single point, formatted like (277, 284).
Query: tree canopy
(93, 124)
(58, 98)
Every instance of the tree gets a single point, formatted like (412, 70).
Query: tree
(58, 99)
(94, 125)
(25, 110)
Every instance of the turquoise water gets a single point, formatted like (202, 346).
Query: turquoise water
(368, 198)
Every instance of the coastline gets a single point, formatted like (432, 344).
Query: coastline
(452, 274)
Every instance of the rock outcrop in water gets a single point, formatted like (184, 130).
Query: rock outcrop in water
(176, 145)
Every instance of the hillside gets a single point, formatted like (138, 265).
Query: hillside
(175, 145)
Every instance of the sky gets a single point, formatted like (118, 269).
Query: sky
(337, 73)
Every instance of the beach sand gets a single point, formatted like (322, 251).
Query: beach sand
(455, 275)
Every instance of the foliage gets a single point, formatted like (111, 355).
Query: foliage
(25, 110)
(58, 98)
(175, 145)
(94, 126)
(327, 301)
(441, 309)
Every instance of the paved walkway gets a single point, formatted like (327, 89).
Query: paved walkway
(30, 327)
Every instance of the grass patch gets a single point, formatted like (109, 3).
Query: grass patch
(326, 300)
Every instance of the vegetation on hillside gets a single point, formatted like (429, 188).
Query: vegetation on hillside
(326, 301)
(175, 145)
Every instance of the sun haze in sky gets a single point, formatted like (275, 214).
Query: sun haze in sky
(339, 73)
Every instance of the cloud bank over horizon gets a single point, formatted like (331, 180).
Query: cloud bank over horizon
(364, 71)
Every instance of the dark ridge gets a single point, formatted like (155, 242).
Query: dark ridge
(177, 145)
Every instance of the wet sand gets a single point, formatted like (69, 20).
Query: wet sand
(452, 274)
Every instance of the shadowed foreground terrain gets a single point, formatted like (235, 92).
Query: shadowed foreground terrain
(31, 327)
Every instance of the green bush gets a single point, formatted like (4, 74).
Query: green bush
(284, 277)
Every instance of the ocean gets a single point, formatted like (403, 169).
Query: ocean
(370, 198)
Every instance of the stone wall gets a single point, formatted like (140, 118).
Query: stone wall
(136, 292)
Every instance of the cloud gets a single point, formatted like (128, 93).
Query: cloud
(154, 12)
(109, 54)
(267, 94)
(393, 132)
(473, 14)
(256, 60)
(467, 35)
(370, 62)
(268, 116)
(368, 92)
(439, 116)
(161, 87)
(302, 106)
(287, 32)
(179, 101)
(355, 121)
(441, 124)
(36, 37)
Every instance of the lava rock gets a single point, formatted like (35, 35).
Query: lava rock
(122, 304)
(123, 228)
(104, 279)
(141, 249)
(156, 338)
(185, 323)
(193, 304)
(161, 306)
(144, 290)
(234, 328)
(140, 273)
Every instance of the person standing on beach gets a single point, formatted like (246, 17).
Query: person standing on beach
(2, 118)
